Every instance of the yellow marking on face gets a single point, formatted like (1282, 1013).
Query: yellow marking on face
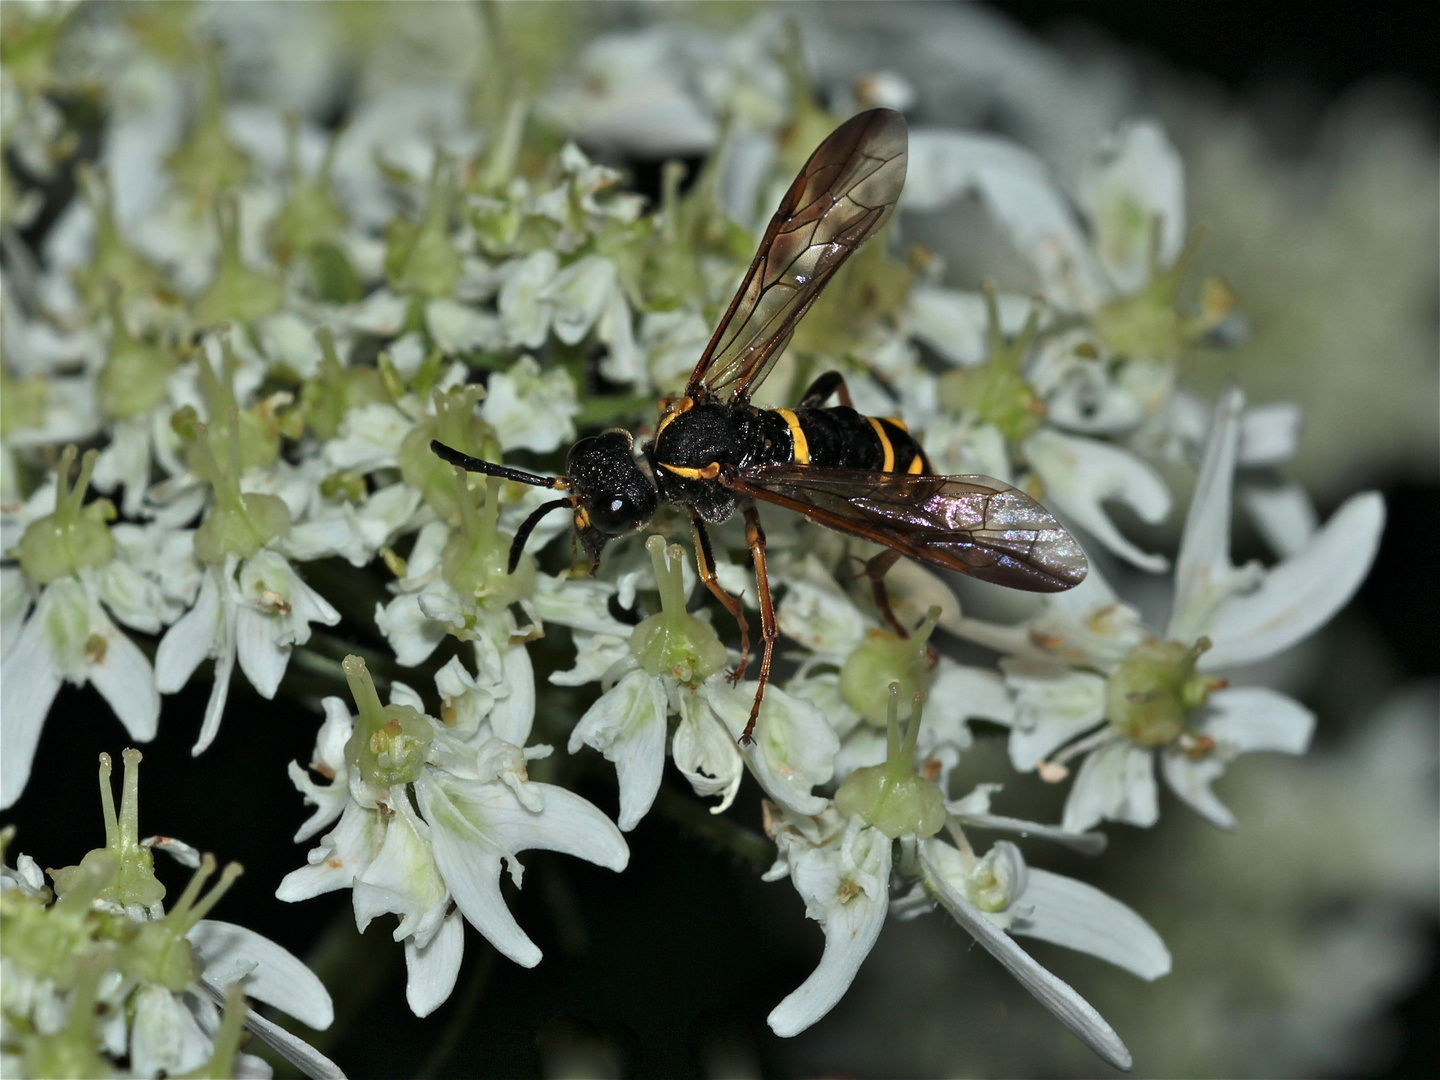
(676, 407)
(889, 463)
(898, 423)
(917, 465)
(800, 446)
(582, 518)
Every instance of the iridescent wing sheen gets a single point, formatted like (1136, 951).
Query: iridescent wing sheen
(972, 524)
(842, 196)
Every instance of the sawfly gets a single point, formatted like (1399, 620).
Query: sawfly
(713, 452)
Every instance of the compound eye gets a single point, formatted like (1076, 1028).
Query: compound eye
(614, 514)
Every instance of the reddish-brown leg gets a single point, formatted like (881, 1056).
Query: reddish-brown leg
(705, 563)
(755, 538)
(875, 570)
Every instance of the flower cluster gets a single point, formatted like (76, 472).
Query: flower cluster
(249, 328)
(99, 975)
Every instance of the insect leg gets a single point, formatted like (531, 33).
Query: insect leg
(755, 538)
(821, 389)
(875, 570)
(705, 561)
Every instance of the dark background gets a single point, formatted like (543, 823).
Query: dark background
(685, 930)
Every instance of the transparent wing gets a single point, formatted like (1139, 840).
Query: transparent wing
(842, 196)
(972, 524)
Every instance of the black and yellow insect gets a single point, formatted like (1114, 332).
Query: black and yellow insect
(713, 452)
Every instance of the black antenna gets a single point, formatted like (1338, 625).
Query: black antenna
(527, 526)
(474, 464)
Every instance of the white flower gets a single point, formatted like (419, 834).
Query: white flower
(477, 810)
(68, 636)
(256, 610)
(530, 409)
(845, 871)
(1088, 679)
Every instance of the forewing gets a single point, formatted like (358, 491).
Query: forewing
(842, 196)
(972, 524)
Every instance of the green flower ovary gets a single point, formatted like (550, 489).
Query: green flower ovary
(132, 879)
(891, 797)
(674, 642)
(420, 259)
(74, 535)
(454, 424)
(390, 742)
(159, 952)
(132, 381)
(239, 523)
(476, 558)
(883, 658)
(997, 391)
(1150, 696)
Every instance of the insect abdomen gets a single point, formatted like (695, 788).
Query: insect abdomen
(841, 438)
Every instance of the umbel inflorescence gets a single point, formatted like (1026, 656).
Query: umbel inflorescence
(245, 330)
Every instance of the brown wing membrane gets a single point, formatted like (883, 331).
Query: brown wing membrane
(972, 524)
(842, 196)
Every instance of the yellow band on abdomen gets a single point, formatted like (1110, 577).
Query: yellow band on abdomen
(889, 463)
(800, 446)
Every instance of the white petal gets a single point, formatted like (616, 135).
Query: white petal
(523, 314)
(794, 747)
(402, 878)
(849, 897)
(1135, 177)
(1080, 916)
(955, 324)
(268, 972)
(531, 409)
(29, 681)
(343, 852)
(1256, 718)
(1087, 843)
(579, 293)
(514, 713)
(215, 705)
(473, 825)
(1190, 779)
(262, 656)
(1302, 593)
(456, 327)
(820, 617)
(1269, 434)
(412, 634)
(1053, 704)
(1080, 474)
(705, 752)
(1056, 995)
(124, 679)
(1016, 186)
(1283, 514)
(1203, 573)
(432, 970)
(191, 639)
(1115, 783)
(309, 1061)
(627, 725)
(165, 1040)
